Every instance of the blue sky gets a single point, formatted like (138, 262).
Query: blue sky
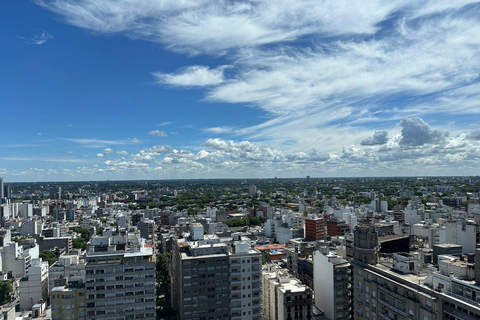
(103, 89)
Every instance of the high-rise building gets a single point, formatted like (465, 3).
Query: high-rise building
(386, 289)
(252, 190)
(246, 281)
(332, 285)
(2, 192)
(33, 287)
(120, 278)
(314, 228)
(212, 279)
(285, 297)
(200, 276)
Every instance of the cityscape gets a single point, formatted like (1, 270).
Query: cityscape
(240, 159)
(305, 248)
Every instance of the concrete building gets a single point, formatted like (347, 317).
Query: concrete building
(120, 278)
(200, 276)
(71, 267)
(14, 260)
(386, 289)
(284, 234)
(68, 301)
(332, 285)
(245, 281)
(252, 190)
(285, 297)
(147, 228)
(34, 286)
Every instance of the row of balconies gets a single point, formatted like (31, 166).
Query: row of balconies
(393, 308)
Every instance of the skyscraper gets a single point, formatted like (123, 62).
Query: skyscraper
(2, 194)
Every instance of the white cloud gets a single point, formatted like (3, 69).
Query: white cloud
(157, 133)
(38, 38)
(107, 151)
(359, 67)
(167, 123)
(214, 26)
(122, 153)
(194, 76)
(98, 143)
(220, 130)
(100, 155)
(136, 141)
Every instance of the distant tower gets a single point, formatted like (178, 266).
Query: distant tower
(252, 190)
(2, 195)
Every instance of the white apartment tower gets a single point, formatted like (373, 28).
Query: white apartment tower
(332, 285)
(245, 281)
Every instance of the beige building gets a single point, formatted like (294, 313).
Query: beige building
(285, 297)
(68, 302)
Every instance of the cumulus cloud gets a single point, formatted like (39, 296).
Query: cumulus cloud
(194, 76)
(107, 151)
(122, 153)
(157, 133)
(136, 141)
(379, 138)
(416, 132)
(100, 155)
(474, 134)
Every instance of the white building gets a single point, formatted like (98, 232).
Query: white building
(283, 235)
(245, 281)
(14, 260)
(70, 267)
(34, 286)
(332, 280)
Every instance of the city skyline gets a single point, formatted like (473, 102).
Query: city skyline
(97, 90)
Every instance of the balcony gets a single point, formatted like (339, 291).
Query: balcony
(393, 308)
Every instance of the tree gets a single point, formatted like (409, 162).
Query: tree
(6, 290)
(85, 234)
(163, 291)
(49, 256)
(79, 243)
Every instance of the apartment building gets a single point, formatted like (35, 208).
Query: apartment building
(285, 297)
(332, 284)
(120, 278)
(245, 281)
(68, 301)
(200, 277)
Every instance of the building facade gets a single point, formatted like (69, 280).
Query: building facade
(120, 284)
